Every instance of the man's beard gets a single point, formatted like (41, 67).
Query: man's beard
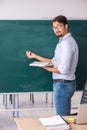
(59, 35)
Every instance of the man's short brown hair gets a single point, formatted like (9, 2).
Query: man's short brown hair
(60, 19)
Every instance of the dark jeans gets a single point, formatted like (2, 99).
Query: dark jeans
(62, 96)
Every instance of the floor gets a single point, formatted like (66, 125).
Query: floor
(31, 105)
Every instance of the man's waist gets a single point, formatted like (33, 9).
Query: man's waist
(62, 80)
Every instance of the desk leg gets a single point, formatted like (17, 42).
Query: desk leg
(15, 100)
(10, 98)
(46, 97)
(5, 100)
(32, 97)
(52, 99)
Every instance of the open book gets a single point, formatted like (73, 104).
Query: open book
(40, 64)
(55, 123)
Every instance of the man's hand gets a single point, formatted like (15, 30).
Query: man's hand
(30, 55)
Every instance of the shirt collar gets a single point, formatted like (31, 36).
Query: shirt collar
(67, 35)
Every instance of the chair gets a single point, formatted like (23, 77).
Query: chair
(84, 95)
(83, 98)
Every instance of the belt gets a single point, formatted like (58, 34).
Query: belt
(62, 80)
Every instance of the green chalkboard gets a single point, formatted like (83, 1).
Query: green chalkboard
(17, 36)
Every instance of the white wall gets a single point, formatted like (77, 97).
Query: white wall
(42, 9)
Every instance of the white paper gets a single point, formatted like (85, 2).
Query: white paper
(40, 64)
(52, 121)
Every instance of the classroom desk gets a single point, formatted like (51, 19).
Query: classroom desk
(28, 124)
(34, 124)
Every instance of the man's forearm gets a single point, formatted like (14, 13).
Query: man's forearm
(31, 55)
(43, 59)
(52, 69)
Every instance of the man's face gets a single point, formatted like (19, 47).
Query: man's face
(59, 29)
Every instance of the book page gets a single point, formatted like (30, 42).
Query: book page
(52, 121)
(40, 64)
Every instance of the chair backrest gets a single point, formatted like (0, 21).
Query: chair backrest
(84, 95)
(83, 98)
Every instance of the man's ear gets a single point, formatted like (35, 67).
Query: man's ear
(66, 26)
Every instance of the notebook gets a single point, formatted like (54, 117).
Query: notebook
(55, 123)
(40, 64)
(82, 114)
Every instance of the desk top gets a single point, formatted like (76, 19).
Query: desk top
(29, 124)
(34, 124)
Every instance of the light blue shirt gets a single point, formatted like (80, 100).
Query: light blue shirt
(66, 58)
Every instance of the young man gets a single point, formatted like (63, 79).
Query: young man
(64, 65)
